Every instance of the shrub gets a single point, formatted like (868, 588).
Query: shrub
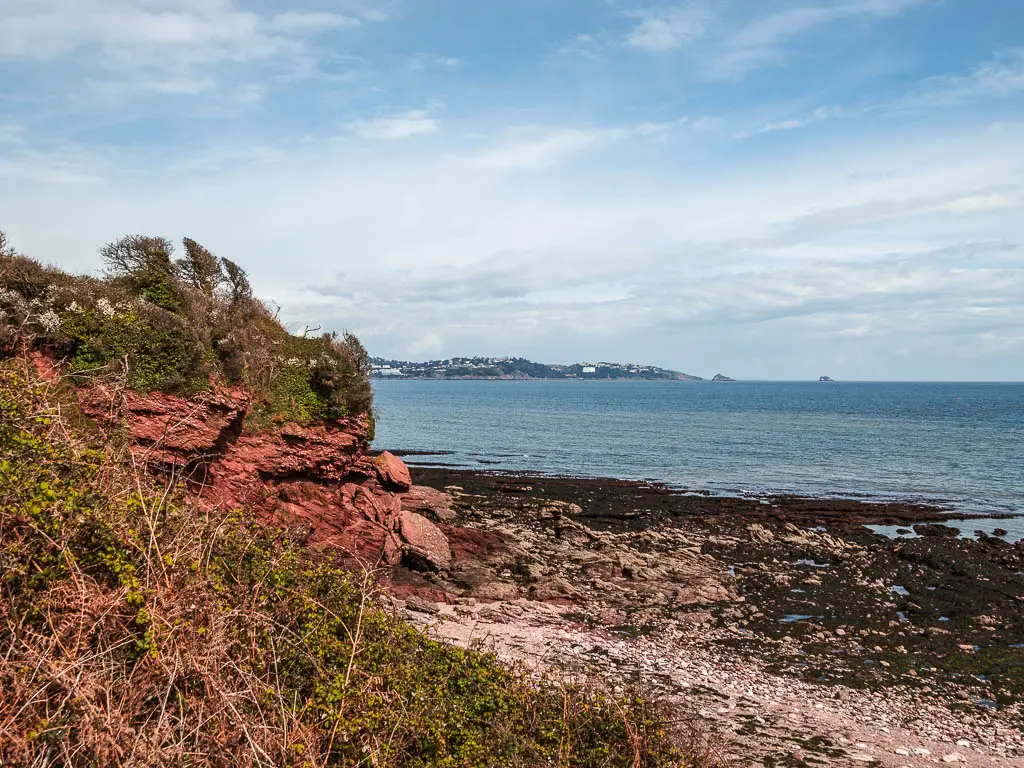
(179, 326)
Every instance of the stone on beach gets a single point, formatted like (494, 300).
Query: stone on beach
(426, 546)
(393, 473)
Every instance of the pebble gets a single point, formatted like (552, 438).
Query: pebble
(954, 757)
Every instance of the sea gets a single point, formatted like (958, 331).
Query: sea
(957, 445)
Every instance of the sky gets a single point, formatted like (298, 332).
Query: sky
(770, 189)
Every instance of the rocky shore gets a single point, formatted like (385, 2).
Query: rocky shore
(801, 636)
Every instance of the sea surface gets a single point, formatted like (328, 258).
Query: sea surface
(960, 445)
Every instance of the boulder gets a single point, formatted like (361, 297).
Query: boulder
(393, 473)
(431, 503)
(936, 529)
(426, 548)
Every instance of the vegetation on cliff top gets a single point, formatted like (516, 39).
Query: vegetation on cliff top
(179, 326)
(140, 631)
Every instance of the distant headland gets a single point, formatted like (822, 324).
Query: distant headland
(501, 368)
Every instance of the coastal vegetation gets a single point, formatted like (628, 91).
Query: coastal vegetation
(141, 628)
(179, 326)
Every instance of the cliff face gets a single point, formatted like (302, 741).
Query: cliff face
(321, 476)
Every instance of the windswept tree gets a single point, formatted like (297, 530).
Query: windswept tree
(200, 268)
(6, 249)
(145, 262)
(135, 254)
(238, 281)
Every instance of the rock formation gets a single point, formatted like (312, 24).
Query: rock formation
(321, 476)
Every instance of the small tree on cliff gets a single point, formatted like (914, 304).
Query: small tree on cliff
(145, 262)
(200, 268)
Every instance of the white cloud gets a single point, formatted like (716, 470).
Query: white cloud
(666, 29)
(168, 46)
(727, 51)
(11, 134)
(587, 46)
(998, 77)
(121, 28)
(537, 153)
(398, 126)
(533, 148)
(295, 21)
(981, 203)
(426, 61)
(819, 115)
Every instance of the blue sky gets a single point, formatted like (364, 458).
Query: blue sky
(771, 189)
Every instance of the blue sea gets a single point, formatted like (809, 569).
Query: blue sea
(960, 445)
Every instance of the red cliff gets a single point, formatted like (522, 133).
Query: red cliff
(319, 476)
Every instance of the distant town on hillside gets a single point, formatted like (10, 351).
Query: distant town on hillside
(520, 368)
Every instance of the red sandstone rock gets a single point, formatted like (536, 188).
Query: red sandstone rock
(431, 503)
(474, 543)
(392, 472)
(426, 546)
(320, 477)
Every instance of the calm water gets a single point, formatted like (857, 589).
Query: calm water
(960, 444)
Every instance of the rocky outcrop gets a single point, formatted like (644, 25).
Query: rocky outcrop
(321, 476)
(721, 377)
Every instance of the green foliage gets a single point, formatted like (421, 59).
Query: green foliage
(177, 326)
(138, 631)
(157, 347)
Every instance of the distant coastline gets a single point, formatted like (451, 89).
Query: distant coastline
(518, 368)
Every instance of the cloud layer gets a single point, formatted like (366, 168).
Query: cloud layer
(761, 190)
